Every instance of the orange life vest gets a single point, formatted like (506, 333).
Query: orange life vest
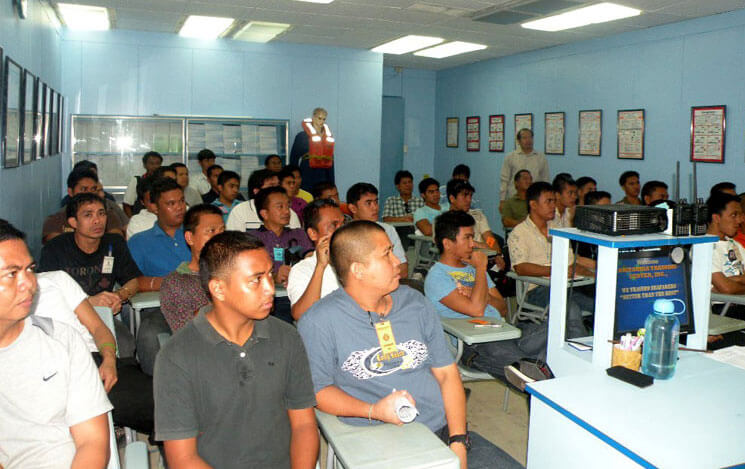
(320, 147)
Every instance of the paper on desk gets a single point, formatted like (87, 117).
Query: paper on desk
(734, 355)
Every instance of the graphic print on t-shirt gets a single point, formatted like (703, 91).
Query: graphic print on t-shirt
(372, 363)
(464, 282)
(732, 265)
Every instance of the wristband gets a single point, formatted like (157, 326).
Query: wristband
(107, 344)
(369, 414)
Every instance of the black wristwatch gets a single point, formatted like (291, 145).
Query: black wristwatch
(463, 438)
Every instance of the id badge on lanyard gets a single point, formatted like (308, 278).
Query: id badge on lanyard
(108, 263)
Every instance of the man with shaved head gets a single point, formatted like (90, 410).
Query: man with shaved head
(372, 342)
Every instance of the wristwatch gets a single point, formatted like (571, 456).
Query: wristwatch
(463, 438)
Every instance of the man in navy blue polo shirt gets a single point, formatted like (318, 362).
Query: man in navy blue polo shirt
(157, 252)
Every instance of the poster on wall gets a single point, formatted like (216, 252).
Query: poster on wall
(708, 125)
(590, 132)
(29, 86)
(40, 117)
(523, 121)
(496, 133)
(473, 133)
(554, 135)
(631, 134)
(12, 99)
(451, 132)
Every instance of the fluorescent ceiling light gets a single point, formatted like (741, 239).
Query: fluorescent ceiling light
(260, 31)
(450, 49)
(315, 1)
(84, 17)
(407, 44)
(205, 27)
(600, 13)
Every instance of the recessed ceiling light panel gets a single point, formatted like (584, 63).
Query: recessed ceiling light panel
(84, 17)
(260, 31)
(315, 1)
(599, 13)
(407, 44)
(205, 27)
(450, 49)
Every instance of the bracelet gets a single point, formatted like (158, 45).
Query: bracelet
(107, 344)
(369, 414)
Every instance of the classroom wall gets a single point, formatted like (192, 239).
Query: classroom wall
(139, 73)
(417, 88)
(664, 70)
(30, 192)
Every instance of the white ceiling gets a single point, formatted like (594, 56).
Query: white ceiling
(364, 24)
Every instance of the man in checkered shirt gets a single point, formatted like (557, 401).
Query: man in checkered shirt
(400, 208)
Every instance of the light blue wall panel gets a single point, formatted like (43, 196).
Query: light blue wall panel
(267, 98)
(165, 81)
(221, 71)
(108, 73)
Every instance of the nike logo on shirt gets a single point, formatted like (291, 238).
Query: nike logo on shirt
(47, 378)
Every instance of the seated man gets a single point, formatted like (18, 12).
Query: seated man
(459, 286)
(313, 278)
(232, 387)
(191, 195)
(146, 218)
(273, 163)
(363, 203)
(303, 194)
(597, 198)
(629, 182)
(372, 336)
(151, 161)
(59, 420)
(401, 207)
(181, 294)
(244, 216)
(200, 181)
(566, 202)
(585, 185)
(654, 191)
(726, 187)
(530, 252)
(463, 173)
(228, 186)
(728, 259)
(515, 209)
(78, 182)
(213, 173)
(284, 245)
(289, 183)
(424, 217)
(87, 165)
(328, 190)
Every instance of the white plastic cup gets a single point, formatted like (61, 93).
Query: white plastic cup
(405, 410)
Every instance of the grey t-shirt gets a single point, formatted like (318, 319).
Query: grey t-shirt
(233, 399)
(344, 351)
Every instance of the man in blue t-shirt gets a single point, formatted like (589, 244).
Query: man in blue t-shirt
(372, 342)
(459, 286)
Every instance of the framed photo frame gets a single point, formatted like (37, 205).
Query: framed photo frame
(496, 133)
(473, 133)
(708, 127)
(590, 138)
(13, 93)
(60, 122)
(54, 124)
(48, 121)
(39, 140)
(29, 114)
(451, 132)
(630, 129)
(553, 137)
(523, 121)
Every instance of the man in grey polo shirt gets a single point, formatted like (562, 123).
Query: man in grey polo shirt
(233, 387)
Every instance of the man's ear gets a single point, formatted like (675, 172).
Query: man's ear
(189, 237)
(73, 222)
(352, 208)
(263, 212)
(357, 269)
(312, 234)
(217, 289)
(447, 244)
(69, 192)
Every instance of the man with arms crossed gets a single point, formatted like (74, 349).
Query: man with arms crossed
(232, 387)
(52, 403)
(345, 334)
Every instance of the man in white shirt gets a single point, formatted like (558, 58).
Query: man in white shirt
(313, 278)
(200, 181)
(151, 161)
(728, 259)
(524, 157)
(244, 216)
(146, 218)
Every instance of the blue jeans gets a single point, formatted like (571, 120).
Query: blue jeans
(152, 323)
(483, 454)
(579, 302)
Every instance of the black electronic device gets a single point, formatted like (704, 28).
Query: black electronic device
(648, 274)
(640, 380)
(617, 220)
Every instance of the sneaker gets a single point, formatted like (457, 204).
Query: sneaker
(526, 371)
(516, 378)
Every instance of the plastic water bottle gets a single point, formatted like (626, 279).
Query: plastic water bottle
(661, 340)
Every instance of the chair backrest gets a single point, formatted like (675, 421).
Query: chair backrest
(104, 312)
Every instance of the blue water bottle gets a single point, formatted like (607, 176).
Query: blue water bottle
(661, 340)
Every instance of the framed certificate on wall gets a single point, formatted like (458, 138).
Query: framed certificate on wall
(590, 132)
(451, 132)
(13, 94)
(473, 133)
(708, 125)
(554, 133)
(631, 134)
(496, 133)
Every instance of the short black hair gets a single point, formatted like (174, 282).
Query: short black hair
(322, 187)
(312, 212)
(153, 154)
(194, 214)
(9, 232)
(284, 173)
(257, 179)
(456, 186)
(448, 225)
(76, 175)
(226, 176)
(520, 173)
(262, 198)
(86, 164)
(592, 198)
(144, 184)
(650, 187)
(78, 200)
(625, 175)
(178, 165)
(400, 175)
(355, 193)
(206, 154)
(269, 157)
(462, 170)
(214, 167)
(349, 244)
(219, 253)
(722, 186)
(160, 186)
(535, 190)
(425, 183)
(517, 135)
(717, 203)
(584, 180)
(561, 182)
(292, 167)
(160, 172)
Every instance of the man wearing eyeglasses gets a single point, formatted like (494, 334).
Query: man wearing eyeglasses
(400, 208)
